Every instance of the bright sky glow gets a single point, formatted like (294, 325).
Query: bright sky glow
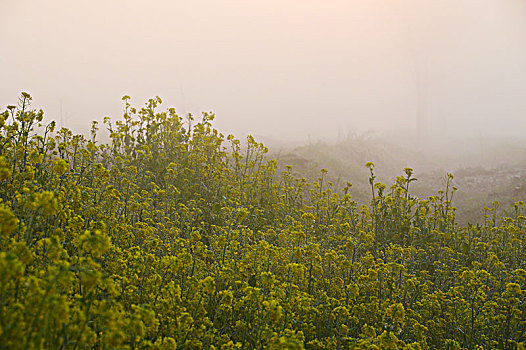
(284, 69)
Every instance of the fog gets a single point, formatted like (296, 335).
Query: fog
(283, 70)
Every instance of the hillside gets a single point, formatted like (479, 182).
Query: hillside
(483, 174)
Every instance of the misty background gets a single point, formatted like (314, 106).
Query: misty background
(283, 70)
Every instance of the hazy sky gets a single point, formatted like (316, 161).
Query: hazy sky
(278, 68)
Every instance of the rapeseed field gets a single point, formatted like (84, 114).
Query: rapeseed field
(174, 236)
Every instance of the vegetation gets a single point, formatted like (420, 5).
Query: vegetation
(173, 236)
(485, 170)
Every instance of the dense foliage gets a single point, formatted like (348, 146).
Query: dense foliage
(172, 236)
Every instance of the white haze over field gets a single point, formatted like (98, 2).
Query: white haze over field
(282, 69)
